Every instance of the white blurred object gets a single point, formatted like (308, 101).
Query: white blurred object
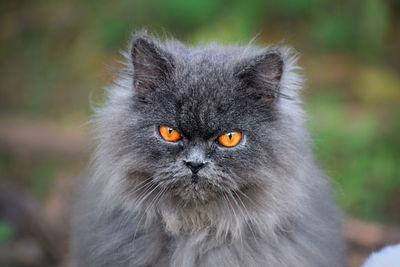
(387, 257)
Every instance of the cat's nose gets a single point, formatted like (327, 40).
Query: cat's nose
(195, 166)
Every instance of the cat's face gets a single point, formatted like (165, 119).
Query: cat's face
(203, 127)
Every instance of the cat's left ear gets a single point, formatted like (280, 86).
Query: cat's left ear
(151, 64)
(262, 73)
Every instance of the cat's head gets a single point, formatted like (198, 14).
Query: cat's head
(197, 124)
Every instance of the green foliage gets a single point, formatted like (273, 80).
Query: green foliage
(6, 232)
(110, 32)
(42, 175)
(36, 172)
(336, 32)
(358, 26)
(292, 8)
(374, 25)
(361, 153)
(4, 162)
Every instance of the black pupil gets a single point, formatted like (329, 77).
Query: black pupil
(230, 136)
(169, 130)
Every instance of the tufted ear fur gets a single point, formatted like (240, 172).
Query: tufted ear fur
(151, 65)
(262, 73)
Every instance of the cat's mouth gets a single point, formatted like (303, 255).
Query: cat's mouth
(195, 179)
(196, 183)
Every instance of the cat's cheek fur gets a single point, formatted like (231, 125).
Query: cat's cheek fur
(262, 203)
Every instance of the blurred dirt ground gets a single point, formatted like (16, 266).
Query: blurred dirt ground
(39, 227)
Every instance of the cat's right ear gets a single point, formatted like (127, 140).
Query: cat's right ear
(151, 65)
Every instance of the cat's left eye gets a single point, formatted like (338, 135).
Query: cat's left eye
(169, 134)
(230, 139)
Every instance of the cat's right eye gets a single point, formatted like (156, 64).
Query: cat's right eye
(169, 134)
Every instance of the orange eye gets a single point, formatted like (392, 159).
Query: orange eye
(230, 139)
(169, 134)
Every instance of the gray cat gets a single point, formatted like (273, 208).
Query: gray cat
(203, 159)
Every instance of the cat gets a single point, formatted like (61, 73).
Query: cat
(203, 159)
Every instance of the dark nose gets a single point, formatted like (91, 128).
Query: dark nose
(195, 166)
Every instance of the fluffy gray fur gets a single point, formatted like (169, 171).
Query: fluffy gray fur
(263, 202)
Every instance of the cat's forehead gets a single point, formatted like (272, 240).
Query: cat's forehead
(204, 96)
(205, 91)
(204, 115)
(207, 106)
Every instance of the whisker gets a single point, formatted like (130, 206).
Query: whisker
(248, 214)
(146, 188)
(145, 211)
(142, 184)
(234, 213)
(252, 201)
(147, 195)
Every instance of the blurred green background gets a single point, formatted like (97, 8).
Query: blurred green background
(54, 57)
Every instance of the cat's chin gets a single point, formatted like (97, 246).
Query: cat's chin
(195, 191)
